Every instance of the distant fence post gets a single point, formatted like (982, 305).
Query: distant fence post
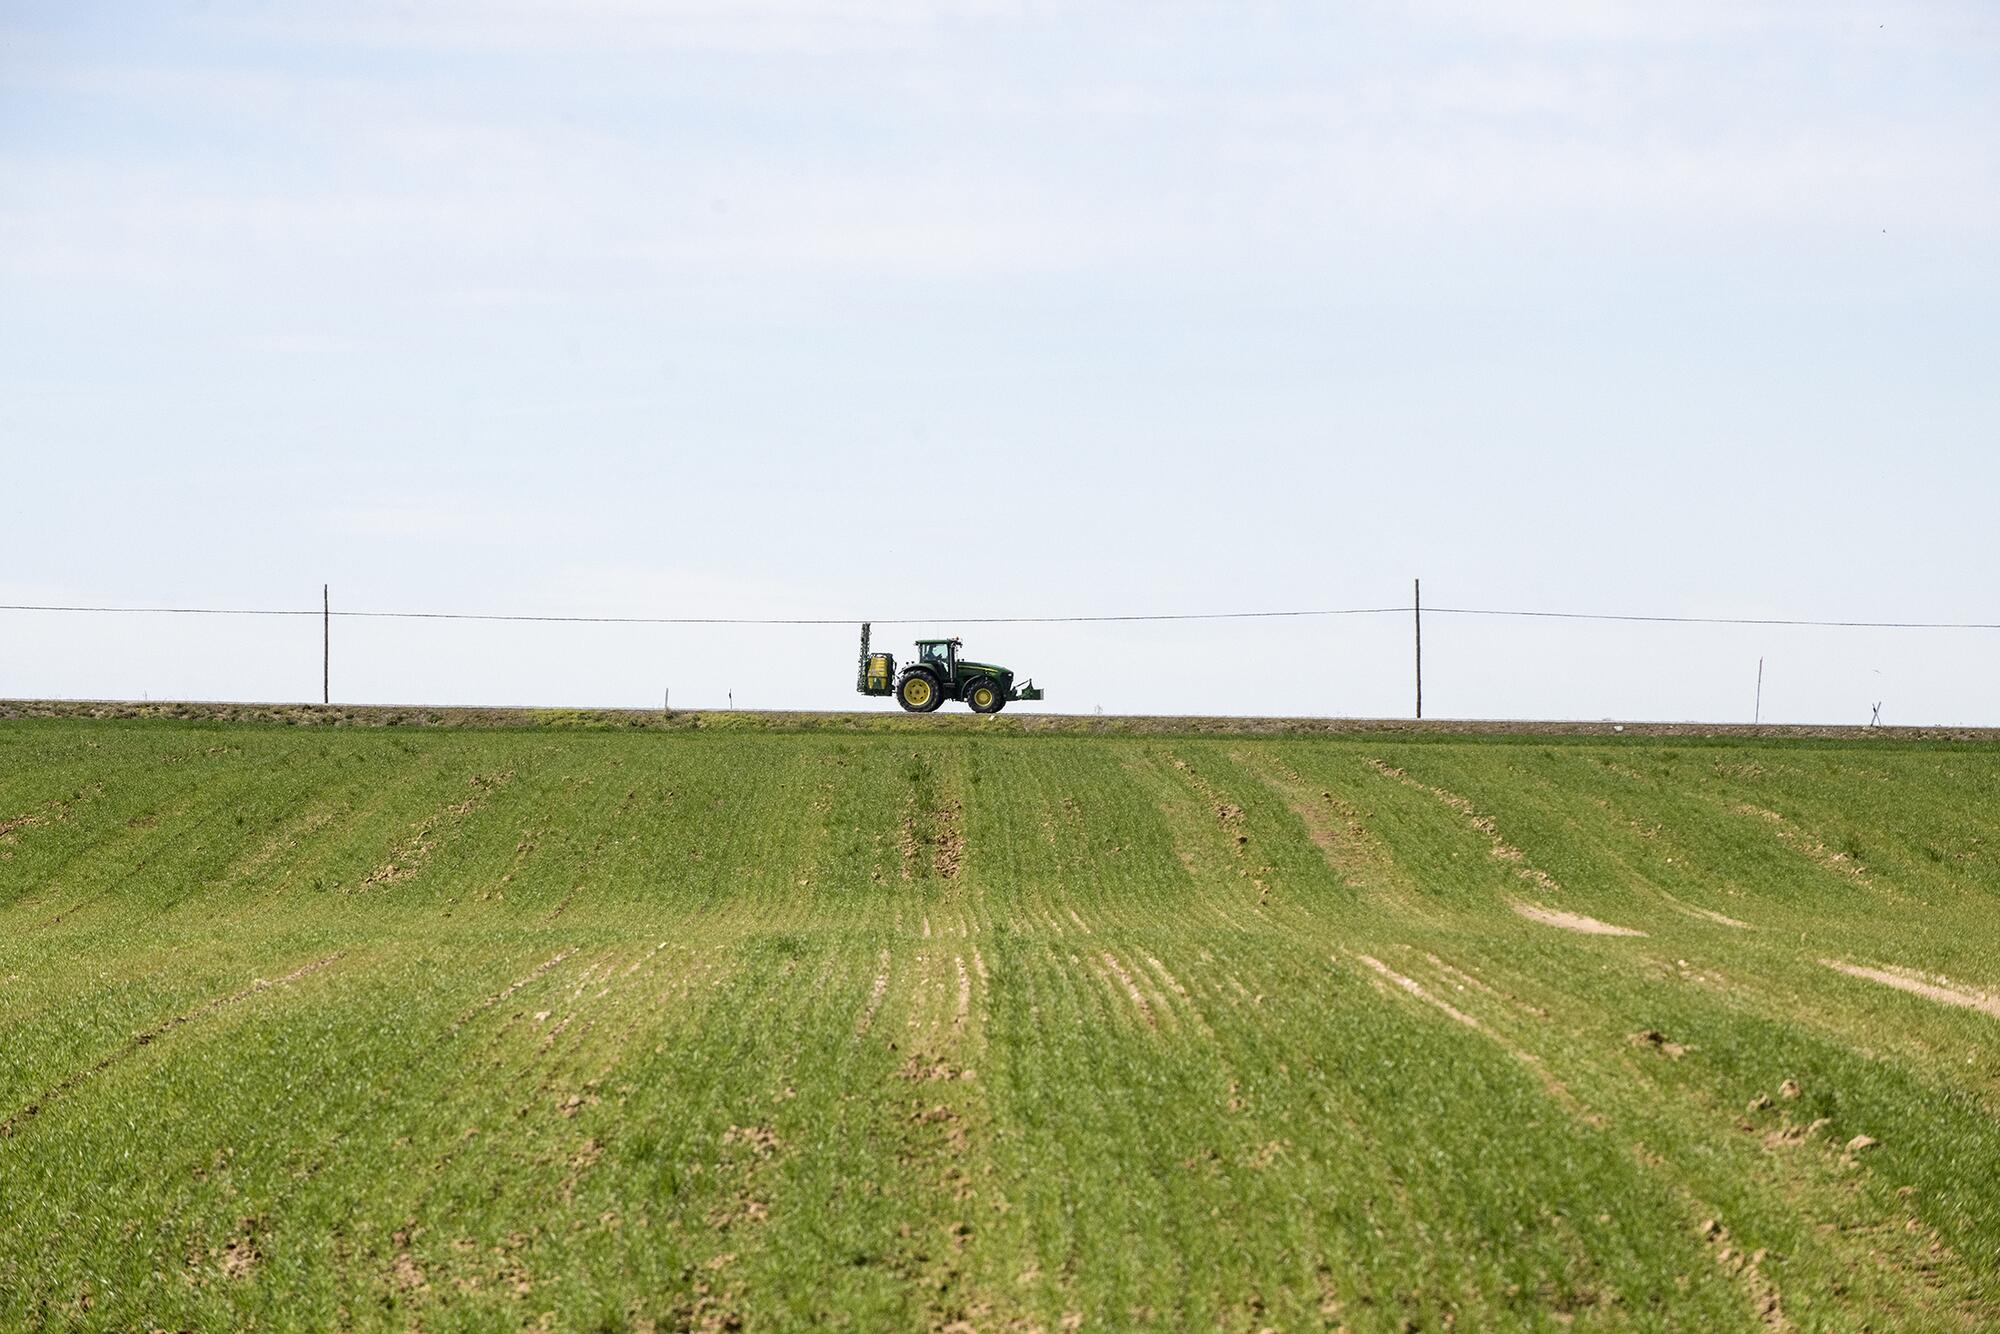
(1417, 608)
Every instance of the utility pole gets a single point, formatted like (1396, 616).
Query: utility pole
(325, 646)
(1417, 606)
(1758, 716)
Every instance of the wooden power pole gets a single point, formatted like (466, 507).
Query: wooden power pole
(1417, 607)
(325, 646)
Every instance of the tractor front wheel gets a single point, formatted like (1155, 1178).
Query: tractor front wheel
(918, 693)
(985, 697)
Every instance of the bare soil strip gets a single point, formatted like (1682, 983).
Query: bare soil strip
(1131, 988)
(1928, 985)
(1571, 921)
(1336, 828)
(1706, 914)
(876, 991)
(1416, 988)
(158, 1031)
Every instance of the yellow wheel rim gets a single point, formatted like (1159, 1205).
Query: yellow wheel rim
(982, 697)
(918, 692)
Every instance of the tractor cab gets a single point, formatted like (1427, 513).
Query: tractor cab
(941, 655)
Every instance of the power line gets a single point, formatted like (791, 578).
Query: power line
(1718, 620)
(1632, 617)
(701, 620)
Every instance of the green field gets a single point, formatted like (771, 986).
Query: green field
(306, 1027)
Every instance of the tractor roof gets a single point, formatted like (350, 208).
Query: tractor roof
(922, 642)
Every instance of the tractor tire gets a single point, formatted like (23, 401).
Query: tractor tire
(919, 692)
(984, 695)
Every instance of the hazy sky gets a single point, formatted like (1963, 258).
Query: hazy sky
(818, 309)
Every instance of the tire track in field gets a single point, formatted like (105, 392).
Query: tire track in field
(558, 1081)
(1554, 1087)
(876, 991)
(1187, 1000)
(414, 853)
(14, 1123)
(508, 990)
(1181, 797)
(390, 1083)
(1497, 844)
(1340, 832)
(1570, 921)
(1230, 817)
(1130, 987)
(54, 810)
(1930, 986)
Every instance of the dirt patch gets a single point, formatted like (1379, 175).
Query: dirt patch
(948, 847)
(55, 810)
(1928, 985)
(8, 827)
(243, 1252)
(1747, 1270)
(932, 842)
(759, 1140)
(1657, 1041)
(921, 1069)
(1571, 921)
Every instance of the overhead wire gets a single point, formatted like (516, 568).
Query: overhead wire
(563, 619)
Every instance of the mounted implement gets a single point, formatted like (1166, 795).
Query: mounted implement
(937, 674)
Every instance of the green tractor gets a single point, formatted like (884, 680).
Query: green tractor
(937, 674)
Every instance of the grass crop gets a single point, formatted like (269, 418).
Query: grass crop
(596, 1028)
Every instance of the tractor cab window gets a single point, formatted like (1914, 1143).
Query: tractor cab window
(934, 653)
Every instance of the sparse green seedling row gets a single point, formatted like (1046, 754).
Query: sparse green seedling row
(358, 1027)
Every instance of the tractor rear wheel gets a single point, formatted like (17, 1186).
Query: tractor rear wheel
(984, 696)
(918, 692)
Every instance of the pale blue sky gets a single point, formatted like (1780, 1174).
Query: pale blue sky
(898, 309)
